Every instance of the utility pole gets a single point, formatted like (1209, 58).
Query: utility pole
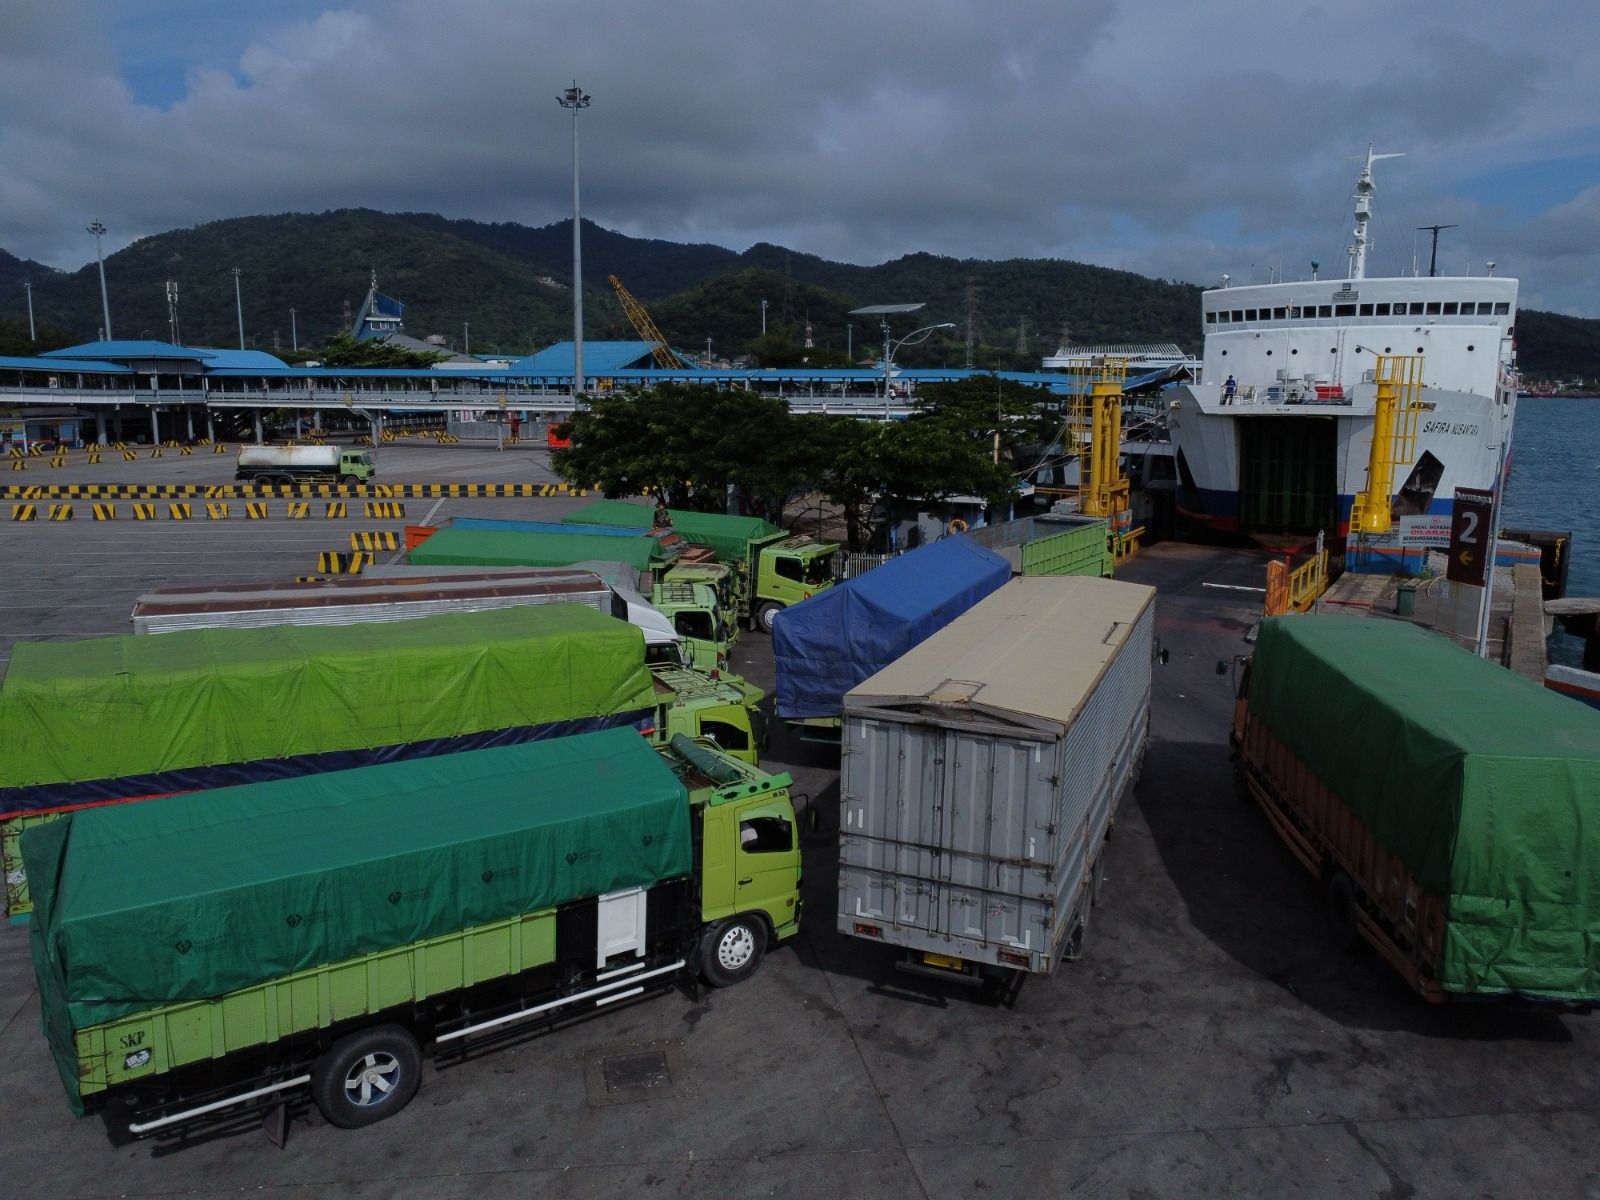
(27, 286)
(575, 99)
(1433, 257)
(238, 302)
(96, 228)
(294, 332)
(972, 304)
(466, 337)
(763, 318)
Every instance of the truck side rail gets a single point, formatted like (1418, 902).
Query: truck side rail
(1402, 921)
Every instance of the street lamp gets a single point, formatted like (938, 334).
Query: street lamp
(574, 98)
(294, 330)
(890, 345)
(27, 286)
(96, 228)
(763, 318)
(238, 303)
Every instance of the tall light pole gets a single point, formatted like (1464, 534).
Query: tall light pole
(294, 332)
(27, 286)
(910, 339)
(172, 312)
(574, 98)
(96, 228)
(466, 338)
(238, 304)
(763, 318)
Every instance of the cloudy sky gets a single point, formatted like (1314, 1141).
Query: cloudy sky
(1177, 138)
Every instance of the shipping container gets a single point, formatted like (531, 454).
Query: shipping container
(1050, 544)
(982, 772)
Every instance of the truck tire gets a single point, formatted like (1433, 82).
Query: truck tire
(367, 1076)
(348, 480)
(764, 615)
(1341, 906)
(731, 950)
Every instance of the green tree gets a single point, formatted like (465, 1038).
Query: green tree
(343, 350)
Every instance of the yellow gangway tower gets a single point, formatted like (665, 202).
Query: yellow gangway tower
(659, 350)
(1394, 439)
(1097, 437)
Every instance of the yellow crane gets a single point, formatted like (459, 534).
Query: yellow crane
(1394, 439)
(659, 350)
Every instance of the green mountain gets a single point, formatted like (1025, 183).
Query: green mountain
(506, 289)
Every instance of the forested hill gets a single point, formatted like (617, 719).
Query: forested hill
(511, 285)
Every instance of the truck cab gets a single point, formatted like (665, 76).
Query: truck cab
(788, 570)
(722, 580)
(725, 710)
(357, 465)
(696, 616)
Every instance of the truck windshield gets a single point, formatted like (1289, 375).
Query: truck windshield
(820, 569)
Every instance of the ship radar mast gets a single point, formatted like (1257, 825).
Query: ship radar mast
(1364, 189)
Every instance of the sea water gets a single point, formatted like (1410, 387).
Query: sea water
(1555, 484)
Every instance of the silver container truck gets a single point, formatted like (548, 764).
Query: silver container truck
(981, 773)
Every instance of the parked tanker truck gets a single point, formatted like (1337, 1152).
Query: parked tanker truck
(204, 954)
(303, 464)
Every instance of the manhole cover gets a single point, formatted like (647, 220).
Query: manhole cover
(625, 1072)
(622, 1074)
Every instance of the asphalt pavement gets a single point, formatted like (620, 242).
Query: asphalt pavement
(1210, 1042)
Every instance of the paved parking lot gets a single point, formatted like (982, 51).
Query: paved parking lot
(1210, 1043)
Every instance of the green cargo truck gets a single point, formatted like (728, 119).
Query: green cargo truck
(725, 709)
(1449, 808)
(107, 720)
(774, 569)
(202, 954)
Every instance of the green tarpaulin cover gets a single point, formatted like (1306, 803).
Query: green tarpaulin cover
(509, 548)
(1486, 785)
(120, 707)
(188, 897)
(728, 536)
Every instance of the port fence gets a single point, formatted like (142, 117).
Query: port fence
(854, 564)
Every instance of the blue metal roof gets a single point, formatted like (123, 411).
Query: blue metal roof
(241, 359)
(123, 349)
(599, 358)
(62, 364)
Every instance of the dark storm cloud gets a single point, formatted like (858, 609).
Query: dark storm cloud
(1172, 138)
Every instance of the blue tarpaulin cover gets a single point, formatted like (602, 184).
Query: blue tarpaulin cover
(824, 646)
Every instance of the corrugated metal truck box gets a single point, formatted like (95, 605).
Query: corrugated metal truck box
(981, 772)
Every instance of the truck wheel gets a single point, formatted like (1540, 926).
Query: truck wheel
(367, 1076)
(732, 950)
(1341, 904)
(764, 615)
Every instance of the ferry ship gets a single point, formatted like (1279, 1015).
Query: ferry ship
(1274, 441)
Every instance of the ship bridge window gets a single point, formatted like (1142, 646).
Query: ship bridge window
(1344, 310)
(1485, 308)
(1366, 310)
(1451, 308)
(1416, 308)
(1211, 318)
(1238, 314)
(1324, 310)
(1382, 310)
(1279, 314)
(1249, 314)
(1502, 309)
(1433, 308)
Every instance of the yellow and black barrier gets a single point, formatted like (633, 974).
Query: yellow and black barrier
(299, 510)
(61, 512)
(255, 510)
(338, 562)
(58, 462)
(19, 464)
(129, 456)
(185, 449)
(249, 491)
(219, 448)
(335, 509)
(178, 510)
(216, 510)
(24, 512)
(105, 512)
(144, 512)
(391, 510)
(384, 539)
(311, 579)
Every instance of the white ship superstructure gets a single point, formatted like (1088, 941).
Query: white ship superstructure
(1274, 440)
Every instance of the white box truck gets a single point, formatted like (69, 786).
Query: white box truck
(981, 773)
